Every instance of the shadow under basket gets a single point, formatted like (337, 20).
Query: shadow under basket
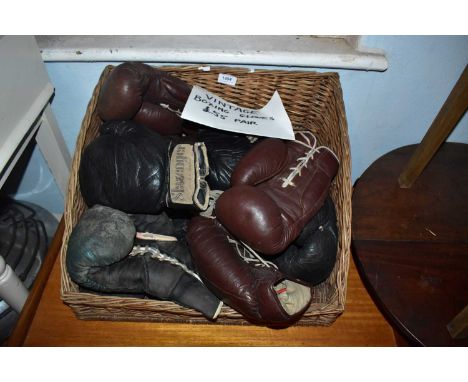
(313, 101)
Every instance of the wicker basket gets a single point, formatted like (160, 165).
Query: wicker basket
(313, 101)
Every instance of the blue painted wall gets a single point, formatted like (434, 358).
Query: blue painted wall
(385, 110)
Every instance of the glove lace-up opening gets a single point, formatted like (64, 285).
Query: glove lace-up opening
(166, 106)
(202, 189)
(249, 255)
(213, 197)
(155, 253)
(303, 160)
(154, 236)
(292, 296)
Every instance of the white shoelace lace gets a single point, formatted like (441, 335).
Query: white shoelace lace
(249, 255)
(252, 257)
(138, 250)
(166, 106)
(304, 159)
(154, 236)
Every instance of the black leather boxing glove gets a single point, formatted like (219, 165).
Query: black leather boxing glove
(105, 255)
(312, 256)
(225, 150)
(139, 92)
(136, 170)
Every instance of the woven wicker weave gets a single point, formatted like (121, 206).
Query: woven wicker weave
(313, 101)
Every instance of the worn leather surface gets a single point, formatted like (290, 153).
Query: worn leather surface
(103, 236)
(225, 149)
(266, 161)
(98, 259)
(262, 213)
(125, 168)
(245, 287)
(159, 119)
(136, 91)
(312, 256)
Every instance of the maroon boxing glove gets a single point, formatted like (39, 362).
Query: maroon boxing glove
(276, 189)
(159, 119)
(242, 279)
(139, 92)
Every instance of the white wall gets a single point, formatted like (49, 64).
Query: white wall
(385, 110)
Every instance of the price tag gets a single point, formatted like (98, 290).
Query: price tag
(227, 79)
(209, 109)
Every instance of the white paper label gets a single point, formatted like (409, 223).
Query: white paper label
(227, 79)
(211, 110)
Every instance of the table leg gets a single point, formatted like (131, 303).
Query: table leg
(449, 115)
(53, 148)
(458, 327)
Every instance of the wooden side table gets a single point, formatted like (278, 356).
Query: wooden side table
(47, 321)
(411, 244)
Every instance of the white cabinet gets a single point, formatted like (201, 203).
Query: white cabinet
(25, 93)
(25, 113)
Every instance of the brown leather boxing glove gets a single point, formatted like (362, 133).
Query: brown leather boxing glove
(242, 279)
(139, 92)
(276, 189)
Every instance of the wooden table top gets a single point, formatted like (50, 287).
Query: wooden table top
(53, 323)
(411, 245)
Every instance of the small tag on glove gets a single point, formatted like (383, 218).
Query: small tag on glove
(182, 175)
(188, 168)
